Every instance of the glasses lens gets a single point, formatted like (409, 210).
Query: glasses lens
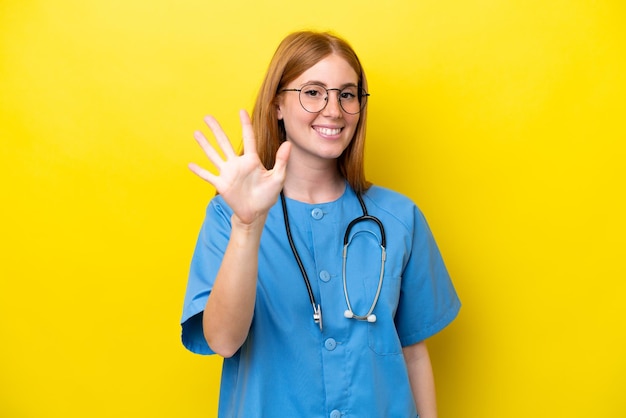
(313, 98)
(352, 99)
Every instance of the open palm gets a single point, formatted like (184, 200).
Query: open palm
(244, 183)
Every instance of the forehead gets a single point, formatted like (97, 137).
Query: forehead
(331, 71)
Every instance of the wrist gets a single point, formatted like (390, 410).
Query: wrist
(256, 225)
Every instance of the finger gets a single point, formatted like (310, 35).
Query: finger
(208, 149)
(282, 158)
(249, 141)
(220, 136)
(203, 173)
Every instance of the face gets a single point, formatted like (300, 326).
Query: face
(325, 135)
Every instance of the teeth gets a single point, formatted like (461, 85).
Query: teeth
(328, 131)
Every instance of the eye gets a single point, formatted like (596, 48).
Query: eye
(348, 94)
(313, 92)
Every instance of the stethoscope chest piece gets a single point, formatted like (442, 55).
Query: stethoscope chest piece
(317, 316)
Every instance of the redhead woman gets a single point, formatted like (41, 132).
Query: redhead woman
(317, 288)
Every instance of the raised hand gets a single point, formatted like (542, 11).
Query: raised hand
(244, 183)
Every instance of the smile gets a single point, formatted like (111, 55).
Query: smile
(328, 131)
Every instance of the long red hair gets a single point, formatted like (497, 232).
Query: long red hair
(297, 53)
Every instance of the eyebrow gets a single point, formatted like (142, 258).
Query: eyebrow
(320, 83)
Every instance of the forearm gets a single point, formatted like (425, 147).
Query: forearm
(421, 379)
(230, 306)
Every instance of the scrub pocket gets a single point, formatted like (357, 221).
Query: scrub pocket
(364, 262)
(382, 335)
(383, 339)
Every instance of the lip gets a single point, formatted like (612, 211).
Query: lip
(327, 131)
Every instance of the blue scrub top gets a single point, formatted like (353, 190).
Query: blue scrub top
(287, 366)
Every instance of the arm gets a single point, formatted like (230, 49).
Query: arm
(229, 309)
(421, 379)
(250, 190)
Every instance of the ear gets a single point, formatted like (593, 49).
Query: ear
(279, 113)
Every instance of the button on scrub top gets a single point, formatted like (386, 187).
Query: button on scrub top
(287, 366)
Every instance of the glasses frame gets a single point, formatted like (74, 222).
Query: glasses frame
(362, 98)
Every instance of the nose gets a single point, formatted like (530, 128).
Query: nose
(333, 107)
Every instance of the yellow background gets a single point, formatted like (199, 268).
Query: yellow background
(503, 120)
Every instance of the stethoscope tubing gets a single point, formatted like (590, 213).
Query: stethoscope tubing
(383, 257)
(349, 313)
(317, 311)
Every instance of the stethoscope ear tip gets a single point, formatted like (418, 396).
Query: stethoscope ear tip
(371, 318)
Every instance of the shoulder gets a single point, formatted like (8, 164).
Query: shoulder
(216, 220)
(392, 203)
(385, 197)
(218, 206)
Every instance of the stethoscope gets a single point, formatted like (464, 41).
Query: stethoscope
(349, 313)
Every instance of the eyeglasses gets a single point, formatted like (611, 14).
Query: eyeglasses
(314, 98)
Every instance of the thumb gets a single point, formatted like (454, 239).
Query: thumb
(282, 158)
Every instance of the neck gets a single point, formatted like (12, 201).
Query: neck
(314, 185)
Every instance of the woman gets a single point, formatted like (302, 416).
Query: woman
(305, 331)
